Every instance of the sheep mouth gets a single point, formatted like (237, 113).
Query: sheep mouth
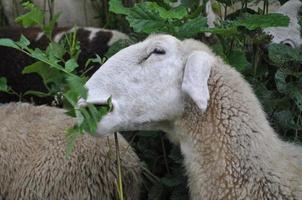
(107, 104)
(109, 107)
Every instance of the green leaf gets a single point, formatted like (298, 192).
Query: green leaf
(48, 75)
(8, 43)
(116, 6)
(76, 83)
(3, 84)
(250, 22)
(280, 82)
(23, 42)
(177, 13)
(88, 124)
(284, 118)
(48, 28)
(71, 65)
(253, 22)
(296, 95)
(194, 26)
(34, 16)
(72, 97)
(143, 18)
(95, 114)
(238, 60)
(56, 50)
(97, 60)
(282, 54)
(39, 54)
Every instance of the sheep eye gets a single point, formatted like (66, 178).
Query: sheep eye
(158, 51)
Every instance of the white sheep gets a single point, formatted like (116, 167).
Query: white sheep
(73, 12)
(33, 162)
(230, 151)
(290, 35)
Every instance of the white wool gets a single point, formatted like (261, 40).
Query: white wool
(230, 151)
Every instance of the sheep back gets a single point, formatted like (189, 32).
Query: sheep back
(33, 163)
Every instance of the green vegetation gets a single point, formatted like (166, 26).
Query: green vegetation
(57, 72)
(274, 72)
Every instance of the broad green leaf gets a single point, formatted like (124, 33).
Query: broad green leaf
(42, 56)
(48, 28)
(280, 81)
(97, 60)
(176, 13)
(253, 22)
(218, 49)
(282, 54)
(191, 27)
(55, 50)
(34, 16)
(48, 75)
(95, 114)
(179, 12)
(3, 84)
(76, 83)
(143, 19)
(39, 54)
(116, 6)
(23, 42)
(72, 97)
(71, 65)
(89, 124)
(296, 95)
(284, 118)
(238, 60)
(8, 43)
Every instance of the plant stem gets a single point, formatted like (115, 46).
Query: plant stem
(164, 152)
(119, 170)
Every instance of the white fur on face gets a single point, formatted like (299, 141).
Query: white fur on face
(145, 86)
(145, 81)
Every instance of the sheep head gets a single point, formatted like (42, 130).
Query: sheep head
(148, 82)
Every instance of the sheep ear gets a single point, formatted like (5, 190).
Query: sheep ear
(196, 75)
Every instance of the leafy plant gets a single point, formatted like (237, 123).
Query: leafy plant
(58, 73)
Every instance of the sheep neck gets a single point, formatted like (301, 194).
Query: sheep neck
(230, 146)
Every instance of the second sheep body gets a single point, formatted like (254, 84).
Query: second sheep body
(33, 162)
